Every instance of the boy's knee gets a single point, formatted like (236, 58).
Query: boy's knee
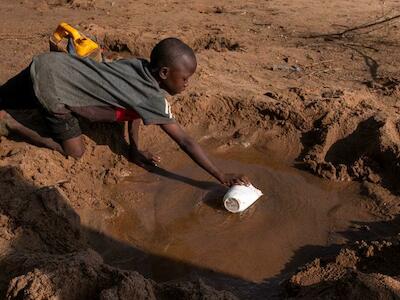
(75, 153)
(74, 147)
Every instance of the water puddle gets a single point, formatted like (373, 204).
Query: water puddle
(178, 225)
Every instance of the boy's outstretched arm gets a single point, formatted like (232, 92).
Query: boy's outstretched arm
(196, 153)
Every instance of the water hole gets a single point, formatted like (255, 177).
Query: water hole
(174, 226)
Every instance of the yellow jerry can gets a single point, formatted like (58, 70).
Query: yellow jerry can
(84, 47)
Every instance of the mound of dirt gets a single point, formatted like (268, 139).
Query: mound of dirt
(342, 146)
(364, 271)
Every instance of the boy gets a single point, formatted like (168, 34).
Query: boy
(63, 86)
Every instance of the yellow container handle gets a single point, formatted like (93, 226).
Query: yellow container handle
(83, 45)
(64, 30)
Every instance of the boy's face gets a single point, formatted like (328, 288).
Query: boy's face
(175, 79)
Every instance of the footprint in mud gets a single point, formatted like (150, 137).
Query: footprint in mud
(217, 43)
(331, 93)
(386, 86)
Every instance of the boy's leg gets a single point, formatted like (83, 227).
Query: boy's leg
(65, 128)
(73, 146)
(17, 93)
(36, 139)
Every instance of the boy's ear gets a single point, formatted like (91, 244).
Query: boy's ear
(164, 71)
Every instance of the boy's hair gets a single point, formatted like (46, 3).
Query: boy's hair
(168, 51)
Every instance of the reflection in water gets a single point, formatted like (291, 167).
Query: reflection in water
(188, 223)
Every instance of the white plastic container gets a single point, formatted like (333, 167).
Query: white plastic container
(240, 197)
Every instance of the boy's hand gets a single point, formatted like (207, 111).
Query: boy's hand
(234, 179)
(144, 158)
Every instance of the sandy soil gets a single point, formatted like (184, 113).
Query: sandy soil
(288, 78)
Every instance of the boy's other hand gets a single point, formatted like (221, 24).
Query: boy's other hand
(144, 158)
(234, 179)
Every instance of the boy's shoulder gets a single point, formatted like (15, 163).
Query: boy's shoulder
(139, 65)
(139, 69)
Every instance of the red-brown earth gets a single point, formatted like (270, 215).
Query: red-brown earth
(283, 90)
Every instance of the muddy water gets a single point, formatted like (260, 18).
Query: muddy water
(177, 225)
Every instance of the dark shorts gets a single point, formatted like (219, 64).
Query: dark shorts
(18, 94)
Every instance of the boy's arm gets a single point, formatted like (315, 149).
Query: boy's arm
(196, 153)
(140, 157)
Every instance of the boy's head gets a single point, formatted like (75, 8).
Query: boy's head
(172, 62)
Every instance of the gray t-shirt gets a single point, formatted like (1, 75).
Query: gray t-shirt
(64, 82)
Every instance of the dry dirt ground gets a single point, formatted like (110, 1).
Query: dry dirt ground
(305, 80)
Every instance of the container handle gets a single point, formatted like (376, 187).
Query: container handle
(64, 30)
